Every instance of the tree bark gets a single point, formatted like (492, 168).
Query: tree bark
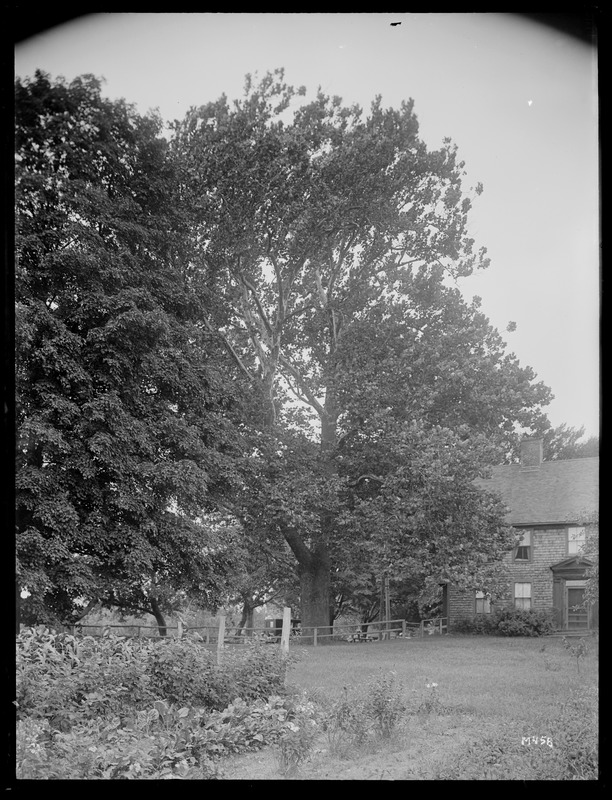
(246, 620)
(315, 570)
(314, 575)
(159, 617)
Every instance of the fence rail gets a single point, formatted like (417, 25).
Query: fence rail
(219, 634)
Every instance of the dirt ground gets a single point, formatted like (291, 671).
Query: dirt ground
(414, 754)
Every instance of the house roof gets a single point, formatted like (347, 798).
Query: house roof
(553, 492)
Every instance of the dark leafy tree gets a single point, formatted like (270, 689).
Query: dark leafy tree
(331, 239)
(126, 422)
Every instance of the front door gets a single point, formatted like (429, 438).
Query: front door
(576, 615)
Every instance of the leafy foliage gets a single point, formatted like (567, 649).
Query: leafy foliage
(61, 678)
(328, 236)
(565, 442)
(175, 300)
(508, 622)
(161, 741)
(72, 726)
(591, 551)
(125, 420)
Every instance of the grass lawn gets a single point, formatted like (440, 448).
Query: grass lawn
(505, 708)
(515, 679)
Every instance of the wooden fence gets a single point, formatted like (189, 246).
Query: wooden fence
(220, 635)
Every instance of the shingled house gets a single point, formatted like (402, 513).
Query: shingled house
(548, 502)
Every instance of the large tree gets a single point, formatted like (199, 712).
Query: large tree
(126, 423)
(331, 238)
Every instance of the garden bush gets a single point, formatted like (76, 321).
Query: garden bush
(163, 741)
(107, 708)
(61, 677)
(185, 672)
(507, 622)
(523, 622)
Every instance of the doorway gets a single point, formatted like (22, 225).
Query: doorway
(576, 615)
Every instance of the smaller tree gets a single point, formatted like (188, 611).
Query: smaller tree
(564, 442)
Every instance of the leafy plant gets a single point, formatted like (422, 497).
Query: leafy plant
(66, 679)
(295, 745)
(384, 703)
(370, 710)
(346, 723)
(508, 622)
(578, 649)
(430, 705)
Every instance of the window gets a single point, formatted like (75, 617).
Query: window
(522, 595)
(575, 540)
(523, 550)
(483, 603)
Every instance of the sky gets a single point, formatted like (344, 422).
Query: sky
(518, 98)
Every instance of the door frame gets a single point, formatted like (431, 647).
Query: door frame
(574, 584)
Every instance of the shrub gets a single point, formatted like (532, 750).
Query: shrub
(384, 704)
(507, 622)
(62, 678)
(346, 723)
(364, 712)
(523, 622)
(162, 741)
(185, 672)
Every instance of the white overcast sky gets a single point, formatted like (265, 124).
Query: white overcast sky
(518, 98)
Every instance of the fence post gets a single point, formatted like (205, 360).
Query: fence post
(440, 626)
(314, 640)
(403, 629)
(179, 629)
(286, 629)
(220, 638)
(207, 635)
(422, 628)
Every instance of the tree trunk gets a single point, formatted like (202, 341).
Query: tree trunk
(315, 591)
(246, 620)
(159, 617)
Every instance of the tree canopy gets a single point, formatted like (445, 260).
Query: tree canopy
(332, 238)
(125, 415)
(246, 345)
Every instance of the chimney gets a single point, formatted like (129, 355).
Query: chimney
(531, 452)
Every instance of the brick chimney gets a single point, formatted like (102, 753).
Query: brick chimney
(531, 452)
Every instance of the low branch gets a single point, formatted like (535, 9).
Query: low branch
(229, 348)
(298, 548)
(260, 309)
(310, 398)
(300, 310)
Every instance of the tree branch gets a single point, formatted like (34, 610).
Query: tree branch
(311, 399)
(260, 310)
(298, 548)
(229, 348)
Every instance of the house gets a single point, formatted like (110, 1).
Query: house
(549, 502)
